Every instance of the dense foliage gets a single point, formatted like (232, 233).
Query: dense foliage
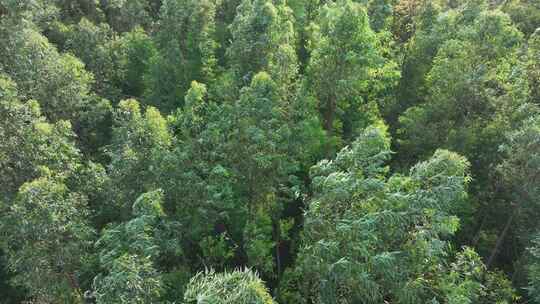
(269, 151)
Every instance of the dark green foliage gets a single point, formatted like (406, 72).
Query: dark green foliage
(187, 46)
(48, 239)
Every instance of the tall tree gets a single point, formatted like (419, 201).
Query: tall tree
(369, 238)
(128, 253)
(344, 57)
(137, 140)
(263, 39)
(533, 67)
(49, 239)
(58, 81)
(29, 141)
(95, 45)
(187, 51)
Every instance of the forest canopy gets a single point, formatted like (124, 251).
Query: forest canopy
(269, 151)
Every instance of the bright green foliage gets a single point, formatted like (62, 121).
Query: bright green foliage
(261, 154)
(236, 287)
(58, 81)
(251, 95)
(344, 58)
(262, 40)
(48, 239)
(467, 281)
(128, 252)
(29, 141)
(137, 139)
(466, 99)
(197, 183)
(187, 47)
(472, 80)
(368, 238)
(240, 186)
(132, 279)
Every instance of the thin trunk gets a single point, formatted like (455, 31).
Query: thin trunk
(329, 116)
(278, 260)
(500, 240)
(478, 232)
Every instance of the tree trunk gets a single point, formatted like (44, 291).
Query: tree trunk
(478, 232)
(329, 117)
(500, 240)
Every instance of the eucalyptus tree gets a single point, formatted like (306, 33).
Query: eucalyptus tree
(58, 81)
(473, 92)
(124, 16)
(49, 238)
(137, 140)
(30, 141)
(187, 51)
(533, 67)
(370, 238)
(135, 51)
(533, 270)
(519, 179)
(474, 72)
(235, 287)
(128, 253)
(95, 45)
(344, 57)
(263, 39)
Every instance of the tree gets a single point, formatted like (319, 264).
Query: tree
(48, 238)
(137, 139)
(533, 67)
(518, 176)
(135, 50)
(29, 141)
(238, 287)
(36, 66)
(370, 238)
(58, 81)
(533, 270)
(474, 89)
(263, 40)
(187, 46)
(95, 46)
(344, 56)
(124, 16)
(128, 253)
(524, 13)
